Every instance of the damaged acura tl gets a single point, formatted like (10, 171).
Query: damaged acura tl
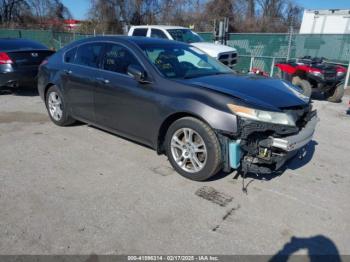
(179, 101)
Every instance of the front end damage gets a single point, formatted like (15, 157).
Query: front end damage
(263, 148)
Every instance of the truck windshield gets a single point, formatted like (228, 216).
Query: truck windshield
(185, 35)
(183, 61)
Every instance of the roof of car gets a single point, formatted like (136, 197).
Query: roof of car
(159, 26)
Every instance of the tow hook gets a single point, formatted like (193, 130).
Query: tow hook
(302, 153)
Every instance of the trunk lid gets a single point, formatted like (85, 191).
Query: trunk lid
(28, 58)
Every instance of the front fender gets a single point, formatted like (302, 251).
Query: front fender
(217, 119)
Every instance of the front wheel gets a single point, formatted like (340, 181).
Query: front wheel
(303, 84)
(193, 149)
(336, 94)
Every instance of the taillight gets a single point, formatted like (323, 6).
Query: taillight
(5, 59)
(341, 70)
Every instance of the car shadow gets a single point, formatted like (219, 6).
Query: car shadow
(319, 248)
(20, 91)
(304, 158)
(218, 176)
(294, 163)
(78, 123)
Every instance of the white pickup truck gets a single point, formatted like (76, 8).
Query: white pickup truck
(227, 55)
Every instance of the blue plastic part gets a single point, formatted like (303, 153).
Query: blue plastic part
(234, 154)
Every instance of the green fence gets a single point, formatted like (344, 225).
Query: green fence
(52, 39)
(272, 48)
(261, 50)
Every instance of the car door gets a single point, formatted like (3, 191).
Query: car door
(121, 102)
(81, 77)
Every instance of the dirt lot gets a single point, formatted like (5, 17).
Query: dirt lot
(79, 190)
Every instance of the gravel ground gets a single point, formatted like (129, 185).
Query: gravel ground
(80, 190)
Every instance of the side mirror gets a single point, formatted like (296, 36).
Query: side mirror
(137, 73)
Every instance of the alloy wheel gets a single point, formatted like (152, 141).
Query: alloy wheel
(188, 150)
(55, 106)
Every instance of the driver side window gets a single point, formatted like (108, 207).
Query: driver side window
(117, 58)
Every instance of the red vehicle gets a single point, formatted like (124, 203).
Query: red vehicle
(314, 74)
(258, 71)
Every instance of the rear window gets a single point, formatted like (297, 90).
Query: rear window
(88, 54)
(17, 44)
(140, 32)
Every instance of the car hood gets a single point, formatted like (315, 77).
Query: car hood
(268, 93)
(213, 49)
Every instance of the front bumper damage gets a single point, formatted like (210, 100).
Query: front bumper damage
(264, 148)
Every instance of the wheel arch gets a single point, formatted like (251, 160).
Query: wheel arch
(47, 87)
(167, 123)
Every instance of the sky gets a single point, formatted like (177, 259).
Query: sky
(79, 8)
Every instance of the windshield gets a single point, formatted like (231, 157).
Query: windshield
(182, 61)
(185, 35)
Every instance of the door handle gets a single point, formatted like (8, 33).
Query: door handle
(102, 80)
(68, 72)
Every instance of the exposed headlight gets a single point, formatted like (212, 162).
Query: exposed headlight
(263, 116)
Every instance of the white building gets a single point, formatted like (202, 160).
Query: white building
(333, 21)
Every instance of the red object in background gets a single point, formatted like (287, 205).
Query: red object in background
(292, 69)
(71, 23)
(258, 71)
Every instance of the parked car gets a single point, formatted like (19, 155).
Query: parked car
(315, 74)
(225, 54)
(179, 101)
(19, 61)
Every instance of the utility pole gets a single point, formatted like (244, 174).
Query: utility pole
(290, 41)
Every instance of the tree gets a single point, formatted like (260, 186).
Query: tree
(32, 13)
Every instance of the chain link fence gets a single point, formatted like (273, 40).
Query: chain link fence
(260, 50)
(264, 50)
(266, 47)
(52, 39)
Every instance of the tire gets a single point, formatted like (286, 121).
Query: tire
(211, 162)
(303, 84)
(61, 118)
(336, 94)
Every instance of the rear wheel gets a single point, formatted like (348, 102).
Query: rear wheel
(303, 84)
(57, 107)
(193, 149)
(335, 95)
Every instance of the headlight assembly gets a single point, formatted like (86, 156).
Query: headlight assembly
(263, 116)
